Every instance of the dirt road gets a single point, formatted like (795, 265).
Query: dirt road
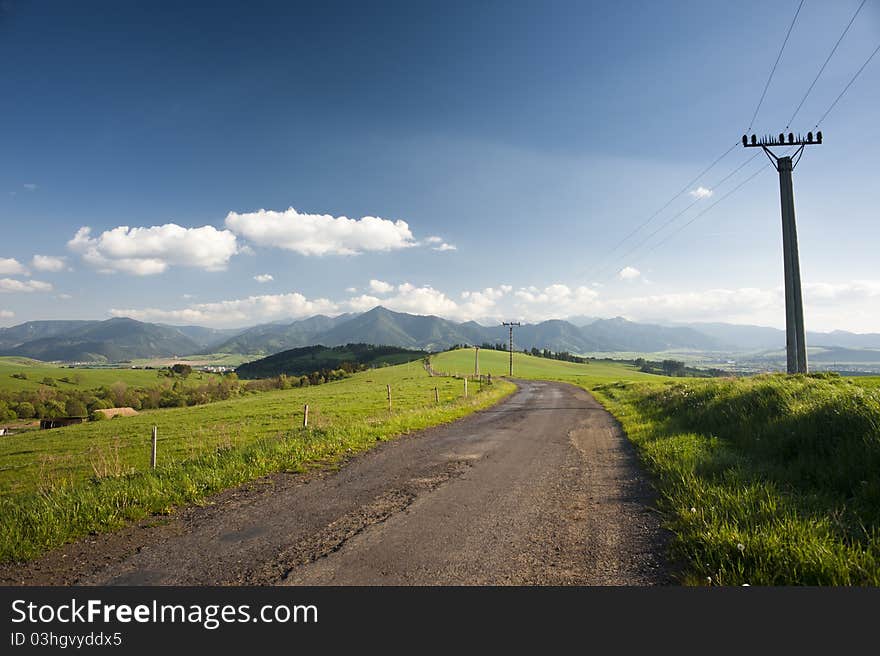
(541, 489)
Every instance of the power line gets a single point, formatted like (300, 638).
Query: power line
(684, 211)
(775, 64)
(644, 223)
(727, 195)
(608, 259)
(675, 216)
(827, 59)
(848, 85)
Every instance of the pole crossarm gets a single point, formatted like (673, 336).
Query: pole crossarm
(780, 140)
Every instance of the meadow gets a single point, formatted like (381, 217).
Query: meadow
(763, 480)
(60, 484)
(77, 378)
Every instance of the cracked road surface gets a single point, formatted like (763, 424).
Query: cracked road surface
(542, 488)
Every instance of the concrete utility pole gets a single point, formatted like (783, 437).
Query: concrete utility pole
(795, 335)
(510, 325)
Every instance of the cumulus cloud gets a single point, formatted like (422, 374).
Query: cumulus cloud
(11, 266)
(47, 263)
(555, 301)
(445, 247)
(264, 277)
(6, 314)
(11, 286)
(701, 192)
(320, 234)
(250, 310)
(422, 300)
(362, 303)
(628, 273)
(380, 287)
(148, 251)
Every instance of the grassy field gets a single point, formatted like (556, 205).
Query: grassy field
(61, 484)
(528, 366)
(76, 378)
(766, 480)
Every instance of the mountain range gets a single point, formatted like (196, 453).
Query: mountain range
(122, 339)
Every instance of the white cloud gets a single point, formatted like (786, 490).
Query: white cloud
(264, 277)
(148, 251)
(363, 303)
(445, 247)
(11, 266)
(350, 290)
(421, 300)
(64, 297)
(6, 314)
(47, 263)
(320, 234)
(9, 285)
(433, 239)
(555, 301)
(30, 186)
(244, 311)
(380, 287)
(628, 273)
(701, 192)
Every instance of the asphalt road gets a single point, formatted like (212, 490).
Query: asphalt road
(540, 489)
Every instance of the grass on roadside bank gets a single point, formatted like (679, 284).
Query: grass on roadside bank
(771, 480)
(75, 492)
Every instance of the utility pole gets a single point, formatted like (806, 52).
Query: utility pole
(795, 335)
(476, 361)
(510, 325)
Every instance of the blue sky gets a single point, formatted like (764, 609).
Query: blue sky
(519, 142)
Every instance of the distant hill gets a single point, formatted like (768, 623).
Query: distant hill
(125, 339)
(31, 330)
(208, 339)
(112, 340)
(382, 326)
(618, 334)
(275, 337)
(305, 360)
(737, 337)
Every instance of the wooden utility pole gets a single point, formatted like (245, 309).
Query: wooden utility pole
(795, 334)
(510, 325)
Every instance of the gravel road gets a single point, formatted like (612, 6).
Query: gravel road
(541, 489)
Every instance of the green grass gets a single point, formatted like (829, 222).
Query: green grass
(770, 480)
(80, 378)
(61, 484)
(765, 480)
(529, 366)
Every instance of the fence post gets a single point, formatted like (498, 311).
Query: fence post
(306, 416)
(465, 387)
(153, 450)
(389, 396)
(436, 395)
